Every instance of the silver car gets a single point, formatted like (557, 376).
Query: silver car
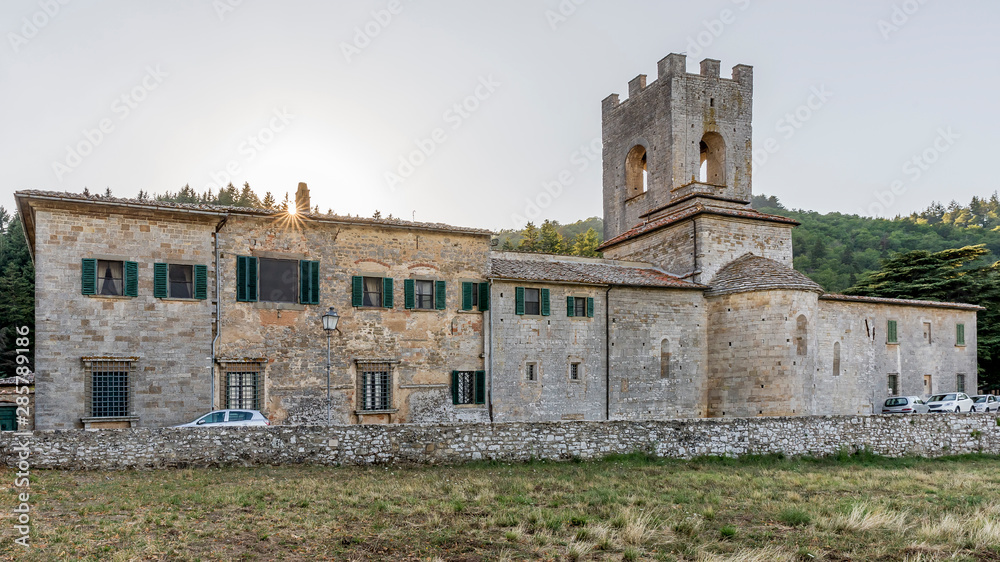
(985, 403)
(904, 405)
(950, 402)
(228, 418)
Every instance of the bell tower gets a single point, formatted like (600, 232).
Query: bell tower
(681, 140)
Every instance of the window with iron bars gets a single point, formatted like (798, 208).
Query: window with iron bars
(109, 393)
(244, 386)
(375, 386)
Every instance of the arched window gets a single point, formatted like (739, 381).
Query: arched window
(713, 159)
(636, 176)
(836, 359)
(801, 335)
(665, 359)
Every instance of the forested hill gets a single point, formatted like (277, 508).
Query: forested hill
(835, 249)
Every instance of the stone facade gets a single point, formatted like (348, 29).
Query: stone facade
(893, 436)
(695, 311)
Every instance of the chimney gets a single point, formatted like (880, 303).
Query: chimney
(302, 204)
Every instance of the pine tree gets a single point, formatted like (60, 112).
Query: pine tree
(269, 201)
(285, 203)
(550, 241)
(17, 291)
(529, 238)
(585, 244)
(248, 198)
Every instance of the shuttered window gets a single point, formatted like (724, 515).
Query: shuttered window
(579, 307)
(468, 387)
(959, 334)
(246, 279)
(109, 278)
(373, 292)
(440, 295)
(546, 308)
(201, 282)
(484, 296)
(178, 281)
(519, 301)
(891, 336)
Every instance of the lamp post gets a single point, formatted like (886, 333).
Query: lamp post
(330, 320)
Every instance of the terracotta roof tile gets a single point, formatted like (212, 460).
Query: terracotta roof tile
(754, 273)
(550, 268)
(689, 212)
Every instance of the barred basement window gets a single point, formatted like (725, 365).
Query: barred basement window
(109, 391)
(960, 382)
(893, 385)
(574, 371)
(244, 385)
(468, 387)
(375, 386)
(531, 372)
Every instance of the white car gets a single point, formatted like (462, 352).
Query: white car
(986, 403)
(951, 402)
(228, 418)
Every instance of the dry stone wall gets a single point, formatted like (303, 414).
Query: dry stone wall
(144, 448)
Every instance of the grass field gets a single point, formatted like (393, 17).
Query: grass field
(622, 508)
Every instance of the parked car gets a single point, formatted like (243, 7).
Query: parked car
(985, 403)
(228, 418)
(904, 405)
(951, 402)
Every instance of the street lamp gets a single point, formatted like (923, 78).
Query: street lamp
(330, 320)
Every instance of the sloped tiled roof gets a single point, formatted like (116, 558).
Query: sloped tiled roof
(901, 302)
(754, 273)
(689, 212)
(223, 209)
(550, 268)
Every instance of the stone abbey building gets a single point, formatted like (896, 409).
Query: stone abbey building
(150, 314)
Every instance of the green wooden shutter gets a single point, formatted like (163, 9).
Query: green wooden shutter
(88, 276)
(454, 387)
(891, 332)
(519, 301)
(570, 306)
(546, 309)
(160, 271)
(440, 294)
(246, 279)
(387, 300)
(409, 300)
(357, 291)
(466, 295)
(201, 282)
(960, 334)
(305, 267)
(590, 307)
(480, 387)
(131, 281)
(309, 282)
(484, 297)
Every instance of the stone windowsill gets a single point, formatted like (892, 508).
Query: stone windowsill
(112, 297)
(279, 305)
(375, 412)
(178, 299)
(88, 422)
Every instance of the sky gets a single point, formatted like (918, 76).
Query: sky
(466, 112)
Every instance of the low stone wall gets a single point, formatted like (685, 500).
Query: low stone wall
(893, 436)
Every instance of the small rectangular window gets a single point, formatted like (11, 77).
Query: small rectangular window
(244, 385)
(110, 278)
(959, 334)
(890, 332)
(531, 372)
(372, 291)
(110, 389)
(375, 381)
(580, 307)
(532, 302)
(181, 281)
(927, 332)
(424, 294)
(960, 382)
(574, 371)
(893, 385)
(279, 280)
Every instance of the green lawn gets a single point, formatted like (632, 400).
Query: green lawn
(622, 508)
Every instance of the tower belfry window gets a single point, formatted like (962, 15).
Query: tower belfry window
(713, 159)
(636, 172)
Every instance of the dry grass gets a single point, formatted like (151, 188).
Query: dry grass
(623, 508)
